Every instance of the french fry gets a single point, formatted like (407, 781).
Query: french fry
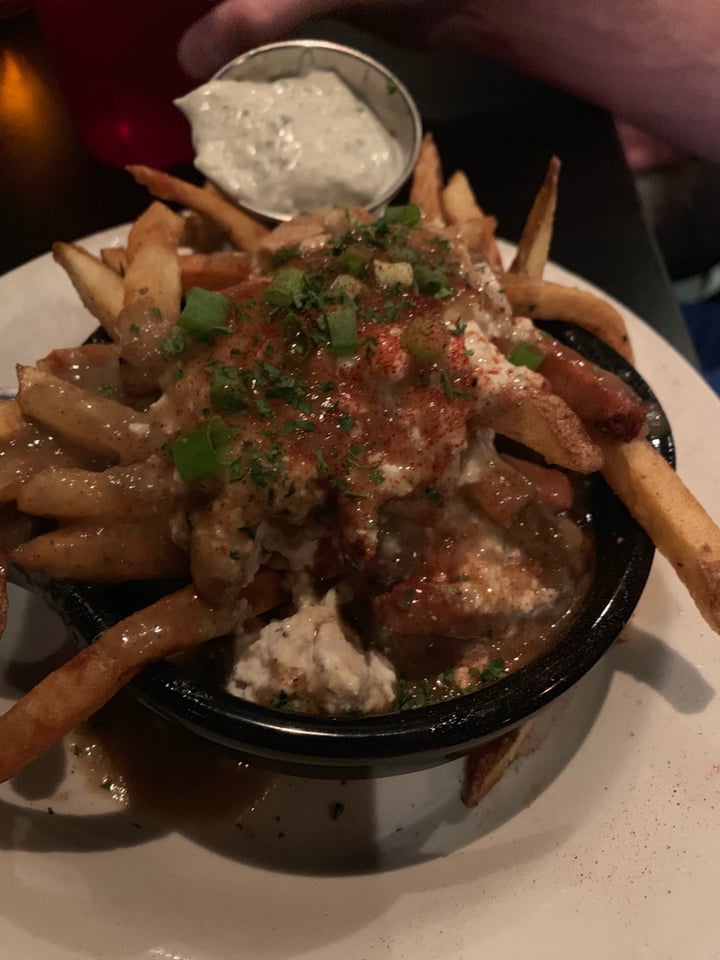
(486, 764)
(134, 491)
(12, 421)
(80, 687)
(458, 200)
(544, 423)
(115, 258)
(533, 248)
(99, 288)
(427, 181)
(477, 229)
(201, 234)
(214, 271)
(679, 526)
(544, 300)
(90, 421)
(211, 271)
(95, 552)
(152, 271)
(244, 232)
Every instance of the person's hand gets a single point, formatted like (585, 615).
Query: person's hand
(237, 25)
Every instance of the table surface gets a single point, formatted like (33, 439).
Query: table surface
(52, 189)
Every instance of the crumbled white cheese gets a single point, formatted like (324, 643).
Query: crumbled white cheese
(316, 658)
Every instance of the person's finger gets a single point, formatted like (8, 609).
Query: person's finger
(237, 25)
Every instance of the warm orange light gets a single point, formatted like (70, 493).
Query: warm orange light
(21, 94)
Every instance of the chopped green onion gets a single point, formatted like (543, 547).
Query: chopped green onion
(350, 261)
(526, 354)
(431, 282)
(204, 315)
(342, 327)
(407, 216)
(201, 453)
(286, 288)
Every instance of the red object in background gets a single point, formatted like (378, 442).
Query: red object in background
(117, 67)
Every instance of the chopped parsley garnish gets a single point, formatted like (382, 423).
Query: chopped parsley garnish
(345, 423)
(173, 343)
(408, 215)
(230, 387)
(494, 670)
(431, 282)
(448, 388)
(281, 701)
(287, 253)
(134, 329)
(307, 426)
(407, 598)
(433, 495)
(526, 354)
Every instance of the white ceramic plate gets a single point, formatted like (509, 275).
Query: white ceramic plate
(604, 841)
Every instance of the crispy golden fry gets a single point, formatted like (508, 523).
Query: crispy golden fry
(115, 258)
(90, 421)
(12, 421)
(211, 271)
(486, 764)
(477, 229)
(99, 288)
(26, 454)
(66, 493)
(214, 271)
(201, 234)
(533, 248)
(459, 202)
(76, 690)
(242, 230)
(427, 181)
(544, 423)
(678, 525)
(544, 300)
(152, 271)
(95, 552)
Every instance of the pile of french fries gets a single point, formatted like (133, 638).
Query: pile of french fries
(193, 236)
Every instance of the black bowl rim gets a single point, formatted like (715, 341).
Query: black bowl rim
(421, 736)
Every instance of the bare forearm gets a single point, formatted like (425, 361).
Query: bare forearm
(654, 62)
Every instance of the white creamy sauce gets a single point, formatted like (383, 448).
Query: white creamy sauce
(292, 144)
